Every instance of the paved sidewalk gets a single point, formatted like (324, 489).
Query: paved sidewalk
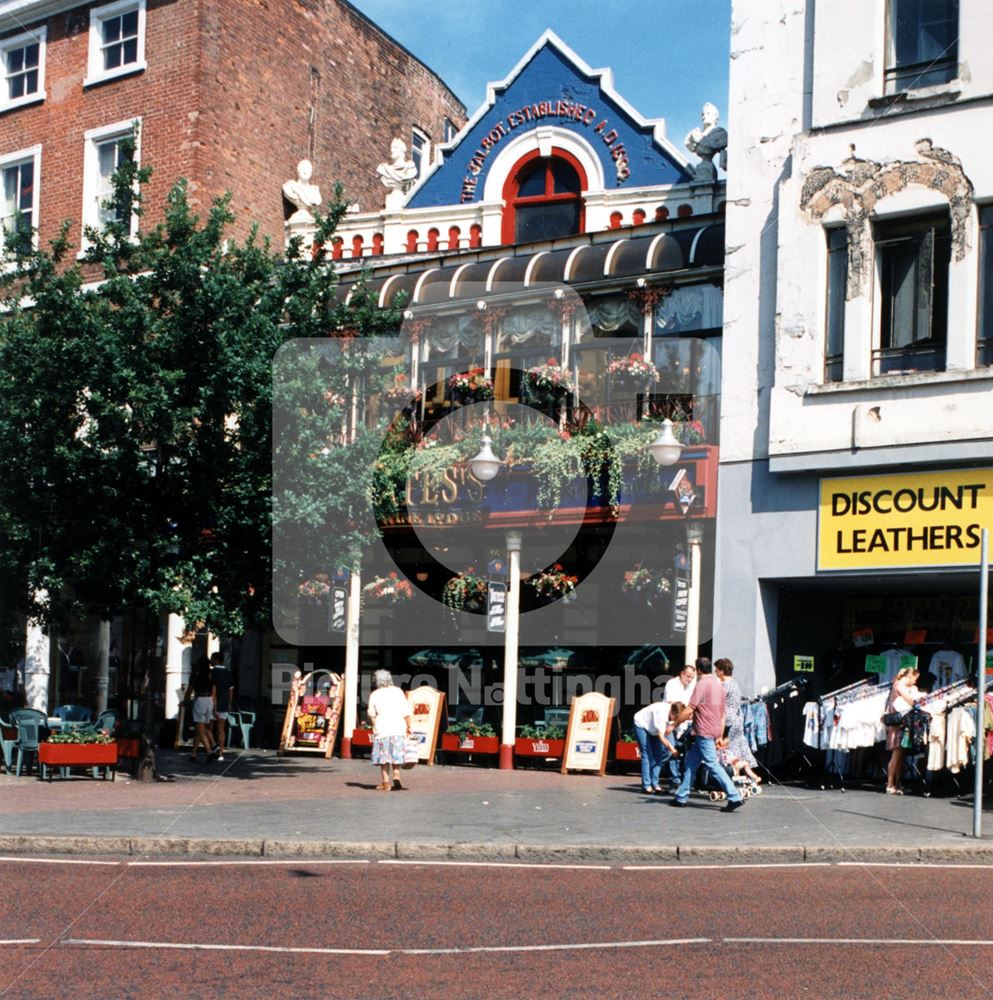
(258, 803)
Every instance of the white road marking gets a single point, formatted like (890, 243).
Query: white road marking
(909, 864)
(870, 941)
(56, 861)
(248, 861)
(195, 946)
(498, 864)
(688, 866)
(192, 946)
(15, 941)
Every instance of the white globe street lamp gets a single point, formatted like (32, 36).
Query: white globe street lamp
(485, 465)
(665, 448)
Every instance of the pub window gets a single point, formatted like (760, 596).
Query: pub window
(912, 258)
(19, 205)
(985, 345)
(450, 130)
(544, 200)
(921, 43)
(420, 149)
(103, 154)
(527, 337)
(117, 40)
(837, 286)
(24, 69)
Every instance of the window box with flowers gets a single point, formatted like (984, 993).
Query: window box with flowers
(543, 744)
(548, 383)
(553, 584)
(389, 589)
(400, 390)
(644, 584)
(633, 372)
(472, 386)
(626, 749)
(315, 591)
(471, 737)
(465, 592)
(80, 748)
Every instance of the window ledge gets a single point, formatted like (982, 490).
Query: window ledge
(901, 381)
(132, 69)
(914, 100)
(21, 102)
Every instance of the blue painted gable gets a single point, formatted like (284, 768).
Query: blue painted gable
(551, 90)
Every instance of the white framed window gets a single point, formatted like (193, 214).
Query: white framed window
(117, 40)
(450, 130)
(23, 58)
(101, 157)
(921, 44)
(19, 174)
(420, 150)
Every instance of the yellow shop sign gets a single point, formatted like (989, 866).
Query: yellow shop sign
(907, 520)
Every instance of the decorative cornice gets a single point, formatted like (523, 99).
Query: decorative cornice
(22, 14)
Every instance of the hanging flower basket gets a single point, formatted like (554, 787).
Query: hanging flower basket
(315, 592)
(400, 391)
(389, 589)
(633, 372)
(547, 383)
(553, 584)
(472, 386)
(646, 584)
(465, 592)
(689, 432)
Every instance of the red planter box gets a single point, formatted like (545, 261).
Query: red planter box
(528, 747)
(128, 749)
(470, 744)
(78, 754)
(361, 737)
(627, 751)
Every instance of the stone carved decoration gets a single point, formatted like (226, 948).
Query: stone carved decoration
(707, 142)
(304, 198)
(398, 175)
(862, 183)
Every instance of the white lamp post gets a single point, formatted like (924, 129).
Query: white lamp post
(694, 538)
(509, 726)
(665, 448)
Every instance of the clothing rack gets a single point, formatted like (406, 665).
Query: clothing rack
(944, 693)
(852, 692)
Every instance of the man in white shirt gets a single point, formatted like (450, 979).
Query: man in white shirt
(679, 688)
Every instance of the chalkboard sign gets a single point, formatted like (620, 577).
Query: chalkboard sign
(313, 713)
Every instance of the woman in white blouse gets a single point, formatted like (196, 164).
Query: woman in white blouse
(389, 713)
(903, 694)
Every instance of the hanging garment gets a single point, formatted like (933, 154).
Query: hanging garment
(948, 666)
(988, 726)
(961, 732)
(811, 724)
(936, 740)
(914, 731)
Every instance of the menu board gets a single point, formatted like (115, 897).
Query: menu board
(427, 706)
(586, 742)
(313, 713)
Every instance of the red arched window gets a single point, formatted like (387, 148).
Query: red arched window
(543, 198)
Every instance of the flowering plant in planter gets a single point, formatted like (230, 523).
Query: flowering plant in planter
(633, 370)
(549, 382)
(553, 583)
(400, 390)
(547, 733)
(649, 584)
(471, 728)
(315, 591)
(472, 386)
(81, 736)
(689, 432)
(389, 588)
(465, 592)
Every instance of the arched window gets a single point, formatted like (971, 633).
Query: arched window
(544, 198)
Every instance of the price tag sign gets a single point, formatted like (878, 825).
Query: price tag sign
(875, 664)
(908, 662)
(803, 664)
(496, 606)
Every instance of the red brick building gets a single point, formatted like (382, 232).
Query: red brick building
(230, 94)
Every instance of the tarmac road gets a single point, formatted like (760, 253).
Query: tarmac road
(301, 928)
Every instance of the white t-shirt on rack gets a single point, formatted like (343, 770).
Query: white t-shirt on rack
(948, 666)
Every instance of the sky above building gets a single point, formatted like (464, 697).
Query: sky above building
(668, 56)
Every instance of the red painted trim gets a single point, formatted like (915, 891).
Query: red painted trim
(475, 235)
(453, 237)
(412, 238)
(377, 244)
(511, 201)
(433, 235)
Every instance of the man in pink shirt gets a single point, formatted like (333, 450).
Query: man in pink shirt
(706, 707)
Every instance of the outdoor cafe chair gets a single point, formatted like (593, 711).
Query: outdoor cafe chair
(244, 721)
(31, 726)
(106, 720)
(73, 713)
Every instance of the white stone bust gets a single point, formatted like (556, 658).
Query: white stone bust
(304, 196)
(707, 142)
(398, 175)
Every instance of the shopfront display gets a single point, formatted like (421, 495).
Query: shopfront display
(587, 739)
(313, 712)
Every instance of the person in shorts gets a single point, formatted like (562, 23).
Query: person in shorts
(222, 692)
(203, 708)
